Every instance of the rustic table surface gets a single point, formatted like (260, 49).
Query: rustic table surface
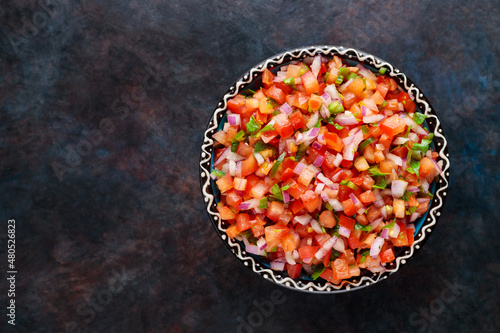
(103, 108)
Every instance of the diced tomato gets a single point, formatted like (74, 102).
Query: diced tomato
(297, 120)
(349, 208)
(402, 239)
(276, 93)
(326, 219)
(244, 149)
(267, 78)
(311, 201)
(236, 104)
(275, 233)
(302, 230)
(340, 269)
(232, 231)
(382, 88)
(367, 197)
(354, 243)
(410, 232)
(328, 276)
(243, 222)
(392, 125)
(233, 200)
(283, 125)
(225, 183)
(387, 256)
(274, 210)
(293, 270)
(333, 141)
(287, 174)
(249, 166)
(310, 83)
(346, 222)
(315, 102)
(296, 206)
(267, 136)
(307, 251)
(296, 189)
(226, 213)
(285, 217)
(427, 168)
(257, 230)
(320, 239)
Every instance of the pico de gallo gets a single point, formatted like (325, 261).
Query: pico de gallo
(324, 168)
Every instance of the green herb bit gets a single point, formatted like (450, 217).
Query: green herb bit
(365, 144)
(375, 171)
(328, 206)
(318, 270)
(344, 71)
(335, 254)
(338, 127)
(263, 203)
(277, 164)
(218, 173)
(240, 136)
(381, 182)
(419, 117)
(352, 185)
(407, 195)
(389, 226)
(411, 210)
(290, 82)
(269, 127)
(335, 107)
(352, 76)
(365, 129)
(234, 146)
(382, 70)
(252, 125)
(359, 226)
(339, 79)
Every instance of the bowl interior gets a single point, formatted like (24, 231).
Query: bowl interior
(423, 224)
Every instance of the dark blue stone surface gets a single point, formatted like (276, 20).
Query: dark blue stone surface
(103, 108)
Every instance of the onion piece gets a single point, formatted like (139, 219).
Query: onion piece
(222, 156)
(385, 233)
(412, 189)
(259, 158)
(319, 188)
(324, 180)
(325, 196)
(351, 148)
(317, 145)
(378, 269)
(234, 157)
(319, 160)
(302, 219)
(338, 159)
(286, 197)
(346, 118)
(335, 203)
(327, 246)
(325, 113)
(399, 140)
(289, 258)
(376, 247)
(234, 119)
(394, 231)
(376, 118)
(356, 201)
(261, 243)
(252, 249)
(398, 188)
(299, 167)
(316, 227)
(232, 168)
(333, 92)
(316, 65)
(414, 217)
(414, 126)
(277, 265)
(286, 109)
(345, 85)
(249, 204)
(343, 231)
(339, 245)
(313, 120)
(366, 73)
(395, 158)
(375, 223)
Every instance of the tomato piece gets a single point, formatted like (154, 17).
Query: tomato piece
(232, 231)
(340, 269)
(310, 83)
(243, 222)
(225, 212)
(296, 189)
(367, 197)
(401, 151)
(244, 150)
(392, 125)
(297, 120)
(276, 93)
(307, 251)
(301, 101)
(349, 208)
(320, 239)
(410, 234)
(296, 206)
(346, 222)
(328, 276)
(382, 88)
(311, 201)
(333, 141)
(257, 230)
(326, 219)
(293, 270)
(225, 183)
(236, 104)
(283, 125)
(285, 217)
(267, 78)
(249, 166)
(302, 230)
(427, 168)
(233, 200)
(315, 102)
(354, 243)
(275, 233)
(387, 256)
(281, 85)
(274, 210)
(344, 192)
(373, 213)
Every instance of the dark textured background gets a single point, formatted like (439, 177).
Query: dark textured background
(117, 240)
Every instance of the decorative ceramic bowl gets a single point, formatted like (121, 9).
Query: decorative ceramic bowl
(424, 225)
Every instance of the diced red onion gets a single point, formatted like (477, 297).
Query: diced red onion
(317, 145)
(234, 157)
(423, 200)
(309, 135)
(338, 159)
(414, 126)
(222, 156)
(278, 78)
(345, 85)
(364, 110)
(339, 245)
(380, 146)
(425, 185)
(398, 188)
(226, 127)
(249, 204)
(319, 160)
(296, 255)
(388, 113)
(395, 158)
(394, 231)
(379, 269)
(261, 243)
(385, 233)
(356, 201)
(307, 261)
(316, 227)
(413, 137)
(412, 189)
(252, 249)
(325, 196)
(345, 119)
(402, 115)
(343, 231)
(325, 113)
(361, 211)
(313, 120)
(238, 169)
(285, 108)
(323, 179)
(383, 211)
(376, 118)
(277, 265)
(234, 119)
(438, 168)
(327, 246)
(259, 158)
(316, 65)
(319, 188)
(286, 197)
(414, 216)
(335, 203)
(332, 91)
(232, 168)
(366, 73)
(321, 139)
(299, 167)
(302, 219)
(350, 149)
(376, 247)
(375, 223)
(289, 258)
(399, 140)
